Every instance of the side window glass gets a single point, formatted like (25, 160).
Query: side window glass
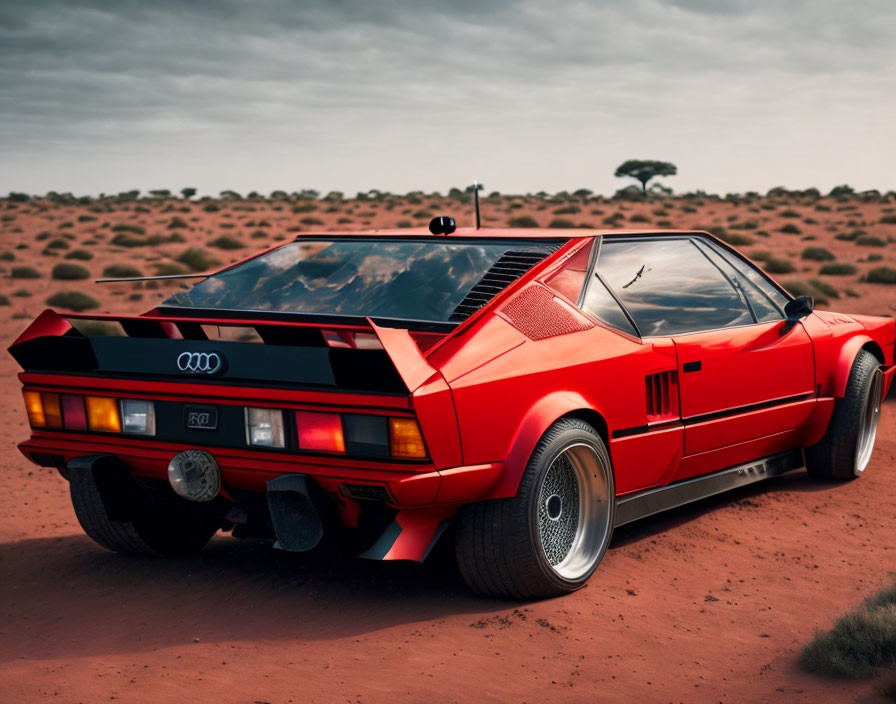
(763, 309)
(771, 292)
(599, 303)
(669, 287)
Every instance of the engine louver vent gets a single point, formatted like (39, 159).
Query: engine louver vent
(511, 266)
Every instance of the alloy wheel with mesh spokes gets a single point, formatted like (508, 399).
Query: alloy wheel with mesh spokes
(549, 538)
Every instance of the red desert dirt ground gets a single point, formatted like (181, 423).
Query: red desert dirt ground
(707, 603)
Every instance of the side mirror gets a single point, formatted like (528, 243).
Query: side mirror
(795, 310)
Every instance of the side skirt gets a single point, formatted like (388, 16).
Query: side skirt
(646, 503)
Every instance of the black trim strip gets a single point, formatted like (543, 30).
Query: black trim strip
(646, 503)
(715, 415)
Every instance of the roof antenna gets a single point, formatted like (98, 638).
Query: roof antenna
(476, 200)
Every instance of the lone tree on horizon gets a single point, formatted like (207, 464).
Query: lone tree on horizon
(644, 169)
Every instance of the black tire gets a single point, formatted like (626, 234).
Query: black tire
(839, 454)
(125, 517)
(500, 544)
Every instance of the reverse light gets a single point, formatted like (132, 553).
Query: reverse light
(138, 416)
(102, 414)
(405, 439)
(264, 427)
(320, 431)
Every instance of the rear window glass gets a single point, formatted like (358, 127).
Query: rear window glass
(432, 280)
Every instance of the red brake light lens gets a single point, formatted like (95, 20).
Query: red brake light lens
(320, 431)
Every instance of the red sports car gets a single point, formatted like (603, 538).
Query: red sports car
(533, 388)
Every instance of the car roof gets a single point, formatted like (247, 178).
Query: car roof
(498, 232)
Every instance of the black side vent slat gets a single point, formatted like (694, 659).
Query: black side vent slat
(510, 267)
(659, 393)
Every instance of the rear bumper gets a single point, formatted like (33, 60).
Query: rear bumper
(250, 470)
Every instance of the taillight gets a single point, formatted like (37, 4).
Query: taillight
(102, 414)
(405, 439)
(35, 408)
(264, 427)
(359, 435)
(138, 416)
(321, 432)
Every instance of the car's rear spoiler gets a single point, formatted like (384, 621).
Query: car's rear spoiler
(358, 354)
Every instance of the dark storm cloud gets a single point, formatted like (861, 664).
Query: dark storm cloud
(381, 80)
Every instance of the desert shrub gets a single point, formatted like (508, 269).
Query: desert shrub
(773, 265)
(735, 239)
(22, 293)
(24, 272)
(73, 300)
(4, 301)
(797, 288)
(760, 255)
(871, 241)
(825, 288)
(211, 208)
(818, 254)
(125, 240)
(404, 224)
(314, 222)
(881, 275)
(197, 259)
(170, 269)
(80, 254)
(523, 221)
(58, 243)
(86, 218)
(562, 223)
(260, 234)
(69, 272)
(125, 227)
(888, 219)
(838, 269)
(226, 242)
(790, 229)
(121, 271)
(860, 641)
(41, 236)
(177, 222)
(849, 236)
(420, 215)
(875, 257)
(789, 214)
(567, 210)
(638, 217)
(340, 221)
(304, 208)
(7, 257)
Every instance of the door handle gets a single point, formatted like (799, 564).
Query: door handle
(692, 366)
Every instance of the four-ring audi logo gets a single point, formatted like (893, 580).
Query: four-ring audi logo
(200, 362)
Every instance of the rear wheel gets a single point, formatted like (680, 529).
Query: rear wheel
(846, 447)
(550, 537)
(125, 517)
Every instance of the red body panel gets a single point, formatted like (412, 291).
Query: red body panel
(486, 393)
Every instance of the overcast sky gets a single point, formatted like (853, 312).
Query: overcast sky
(418, 94)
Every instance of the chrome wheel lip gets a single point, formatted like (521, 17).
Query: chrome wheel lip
(594, 512)
(868, 422)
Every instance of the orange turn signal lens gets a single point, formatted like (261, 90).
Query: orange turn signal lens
(35, 408)
(52, 410)
(405, 439)
(102, 414)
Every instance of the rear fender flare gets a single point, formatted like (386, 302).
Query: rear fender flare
(540, 416)
(843, 366)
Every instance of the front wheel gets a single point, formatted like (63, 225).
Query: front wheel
(846, 447)
(549, 538)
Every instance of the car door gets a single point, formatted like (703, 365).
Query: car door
(742, 383)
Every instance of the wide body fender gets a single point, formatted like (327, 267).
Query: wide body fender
(540, 416)
(843, 366)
